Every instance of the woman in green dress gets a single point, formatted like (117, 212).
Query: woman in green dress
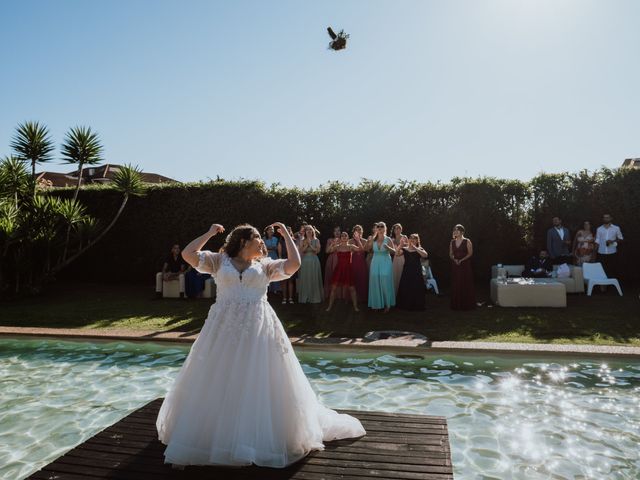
(381, 290)
(310, 274)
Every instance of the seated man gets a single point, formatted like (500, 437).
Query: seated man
(174, 268)
(538, 266)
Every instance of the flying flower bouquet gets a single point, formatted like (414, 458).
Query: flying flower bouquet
(339, 40)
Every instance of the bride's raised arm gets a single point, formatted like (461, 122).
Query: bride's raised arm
(189, 253)
(292, 264)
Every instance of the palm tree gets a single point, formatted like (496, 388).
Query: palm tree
(9, 222)
(81, 147)
(14, 179)
(87, 229)
(32, 143)
(128, 181)
(14, 188)
(70, 213)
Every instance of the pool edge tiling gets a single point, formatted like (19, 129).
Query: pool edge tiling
(337, 342)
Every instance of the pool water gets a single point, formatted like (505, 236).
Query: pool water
(510, 416)
(56, 394)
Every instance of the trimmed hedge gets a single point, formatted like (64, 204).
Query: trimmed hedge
(506, 219)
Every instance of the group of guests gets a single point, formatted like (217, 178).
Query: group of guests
(586, 246)
(387, 270)
(174, 268)
(384, 270)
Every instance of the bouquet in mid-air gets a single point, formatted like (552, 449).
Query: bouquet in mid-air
(339, 40)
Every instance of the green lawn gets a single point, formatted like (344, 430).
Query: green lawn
(600, 319)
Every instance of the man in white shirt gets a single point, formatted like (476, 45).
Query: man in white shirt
(608, 237)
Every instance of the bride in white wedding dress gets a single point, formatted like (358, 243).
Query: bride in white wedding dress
(241, 396)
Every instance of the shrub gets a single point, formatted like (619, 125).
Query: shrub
(506, 219)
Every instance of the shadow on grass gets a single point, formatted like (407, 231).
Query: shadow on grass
(602, 318)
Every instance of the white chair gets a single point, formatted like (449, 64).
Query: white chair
(594, 275)
(209, 288)
(170, 288)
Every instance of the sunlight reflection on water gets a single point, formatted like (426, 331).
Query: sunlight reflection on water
(510, 417)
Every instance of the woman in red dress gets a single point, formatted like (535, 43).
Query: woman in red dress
(342, 277)
(359, 267)
(330, 263)
(463, 296)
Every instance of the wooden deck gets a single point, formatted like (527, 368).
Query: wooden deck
(397, 446)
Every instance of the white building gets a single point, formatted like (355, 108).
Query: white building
(631, 163)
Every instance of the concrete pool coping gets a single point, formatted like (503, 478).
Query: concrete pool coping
(337, 342)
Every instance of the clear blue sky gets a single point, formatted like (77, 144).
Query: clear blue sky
(426, 90)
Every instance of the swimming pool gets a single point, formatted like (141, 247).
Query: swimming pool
(510, 416)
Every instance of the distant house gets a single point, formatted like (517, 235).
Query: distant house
(631, 163)
(92, 174)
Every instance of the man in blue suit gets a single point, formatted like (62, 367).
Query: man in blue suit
(538, 266)
(559, 242)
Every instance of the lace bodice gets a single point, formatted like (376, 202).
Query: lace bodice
(233, 287)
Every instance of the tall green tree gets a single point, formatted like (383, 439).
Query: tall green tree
(81, 147)
(15, 193)
(38, 229)
(128, 181)
(32, 143)
(14, 179)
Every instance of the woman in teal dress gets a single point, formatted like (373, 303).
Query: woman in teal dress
(310, 274)
(381, 288)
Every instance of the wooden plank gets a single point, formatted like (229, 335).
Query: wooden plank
(155, 464)
(391, 416)
(426, 437)
(403, 424)
(151, 409)
(94, 472)
(46, 475)
(399, 462)
(428, 429)
(397, 446)
(113, 461)
(404, 455)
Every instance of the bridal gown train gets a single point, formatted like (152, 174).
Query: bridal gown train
(241, 396)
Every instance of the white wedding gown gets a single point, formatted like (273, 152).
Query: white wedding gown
(241, 396)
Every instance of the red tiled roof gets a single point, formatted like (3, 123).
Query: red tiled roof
(94, 174)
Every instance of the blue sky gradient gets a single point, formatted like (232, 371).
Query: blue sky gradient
(425, 90)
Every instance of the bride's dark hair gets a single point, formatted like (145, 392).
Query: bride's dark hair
(234, 241)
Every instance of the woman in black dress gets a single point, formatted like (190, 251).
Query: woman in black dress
(463, 295)
(411, 289)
